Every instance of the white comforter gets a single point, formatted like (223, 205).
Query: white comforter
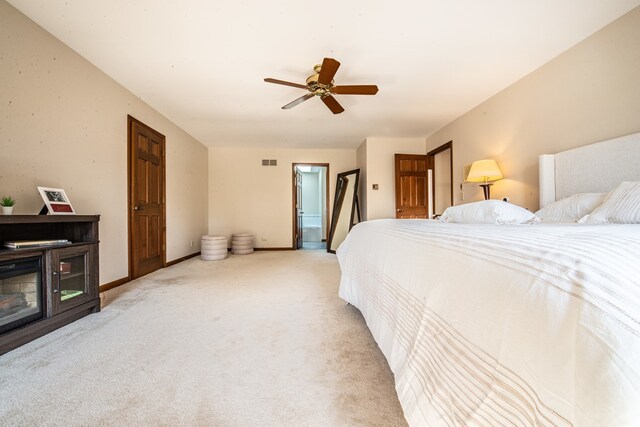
(502, 325)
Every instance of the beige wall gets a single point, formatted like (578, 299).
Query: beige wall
(379, 153)
(245, 196)
(64, 124)
(589, 93)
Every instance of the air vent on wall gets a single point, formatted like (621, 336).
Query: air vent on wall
(271, 162)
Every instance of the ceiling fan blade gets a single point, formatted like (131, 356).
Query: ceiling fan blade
(282, 82)
(355, 90)
(298, 101)
(328, 70)
(333, 105)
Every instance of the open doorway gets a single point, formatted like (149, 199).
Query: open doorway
(310, 205)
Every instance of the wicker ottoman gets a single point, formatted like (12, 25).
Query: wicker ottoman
(213, 248)
(242, 243)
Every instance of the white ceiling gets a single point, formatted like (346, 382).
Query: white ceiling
(202, 63)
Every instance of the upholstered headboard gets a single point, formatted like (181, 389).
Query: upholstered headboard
(593, 168)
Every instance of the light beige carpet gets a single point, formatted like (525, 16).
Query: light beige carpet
(254, 340)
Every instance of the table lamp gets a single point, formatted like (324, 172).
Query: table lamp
(484, 171)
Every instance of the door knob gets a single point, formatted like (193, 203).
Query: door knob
(398, 210)
(137, 208)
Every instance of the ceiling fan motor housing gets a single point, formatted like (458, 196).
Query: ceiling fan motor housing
(318, 88)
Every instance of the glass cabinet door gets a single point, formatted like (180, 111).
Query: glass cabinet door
(71, 279)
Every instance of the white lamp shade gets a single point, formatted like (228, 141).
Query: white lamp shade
(484, 171)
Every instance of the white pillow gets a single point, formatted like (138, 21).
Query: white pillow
(622, 206)
(572, 208)
(488, 212)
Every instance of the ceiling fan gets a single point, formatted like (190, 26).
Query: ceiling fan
(321, 84)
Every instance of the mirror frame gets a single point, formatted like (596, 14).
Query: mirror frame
(339, 206)
(431, 156)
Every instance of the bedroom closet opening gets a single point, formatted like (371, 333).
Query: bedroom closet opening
(310, 205)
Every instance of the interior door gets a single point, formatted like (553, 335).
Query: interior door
(298, 208)
(146, 199)
(411, 185)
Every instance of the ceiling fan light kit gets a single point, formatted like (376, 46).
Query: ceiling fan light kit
(321, 84)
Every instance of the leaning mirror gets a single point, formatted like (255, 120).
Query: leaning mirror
(441, 177)
(345, 208)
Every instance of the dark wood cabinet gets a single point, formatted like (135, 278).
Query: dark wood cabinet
(62, 285)
(71, 277)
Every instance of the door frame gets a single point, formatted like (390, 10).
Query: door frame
(430, 155)
(293, 199)
(130, 195)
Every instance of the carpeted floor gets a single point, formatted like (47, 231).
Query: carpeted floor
(254, 340)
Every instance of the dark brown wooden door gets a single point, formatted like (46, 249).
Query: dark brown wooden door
(146, 199)
(411, 185)
(299, 210)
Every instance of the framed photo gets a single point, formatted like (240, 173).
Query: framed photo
(56, 201)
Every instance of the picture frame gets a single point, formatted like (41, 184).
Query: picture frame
(56, 201)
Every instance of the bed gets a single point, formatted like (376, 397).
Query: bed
(528, 324)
